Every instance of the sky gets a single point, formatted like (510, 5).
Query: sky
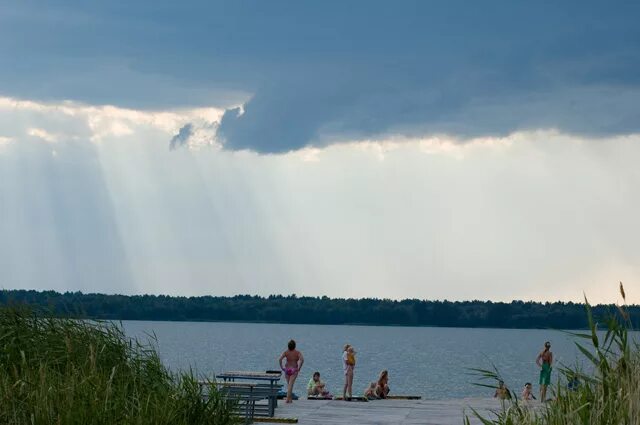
(434, 150)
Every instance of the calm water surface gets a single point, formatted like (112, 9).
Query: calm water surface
(431, 362)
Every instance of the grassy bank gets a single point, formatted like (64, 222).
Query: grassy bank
(610, 395)
(63, 371)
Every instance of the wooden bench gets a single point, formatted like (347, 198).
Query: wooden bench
(251, 400)
(272, 377)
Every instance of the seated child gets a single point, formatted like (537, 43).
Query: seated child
(382, 386)
(502, 392)
(526, 392)
(370, 392)
(316, 387)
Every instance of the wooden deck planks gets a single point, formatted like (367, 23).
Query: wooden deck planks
(378, 412)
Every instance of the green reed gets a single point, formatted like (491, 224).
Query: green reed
(66, 371)
(610, 395)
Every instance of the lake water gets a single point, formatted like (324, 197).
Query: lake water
(431, 362)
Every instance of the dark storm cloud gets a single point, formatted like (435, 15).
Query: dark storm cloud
(313, 73)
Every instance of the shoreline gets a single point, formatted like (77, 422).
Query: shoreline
(383, 325)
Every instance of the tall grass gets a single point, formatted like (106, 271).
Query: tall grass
(65, 371)
(609, 395)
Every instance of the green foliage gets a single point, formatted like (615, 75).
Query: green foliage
(610, 395)
(320, 310)
(64, 371)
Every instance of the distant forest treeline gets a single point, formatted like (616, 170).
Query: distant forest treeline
(314, 310)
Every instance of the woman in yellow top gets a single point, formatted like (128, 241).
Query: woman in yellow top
(348, 364)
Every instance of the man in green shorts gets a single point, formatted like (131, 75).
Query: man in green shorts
(544, 360)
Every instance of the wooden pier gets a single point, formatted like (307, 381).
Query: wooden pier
(379, 412)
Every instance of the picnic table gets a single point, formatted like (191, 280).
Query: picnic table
(264, 386)
(272, 377)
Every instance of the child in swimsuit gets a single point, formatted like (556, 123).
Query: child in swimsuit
(291, 368)
(351, 357)
(370, 392)
(526, 392)
(502, 392)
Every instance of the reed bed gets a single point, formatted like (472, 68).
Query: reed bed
(66, 371)
(609, 395)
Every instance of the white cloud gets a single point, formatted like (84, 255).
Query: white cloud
(42, 134)
(72, 120)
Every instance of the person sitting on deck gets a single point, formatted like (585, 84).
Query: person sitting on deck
(526, 392)
(370, 392)
(382, 386)
(316, 387)
(502, 392)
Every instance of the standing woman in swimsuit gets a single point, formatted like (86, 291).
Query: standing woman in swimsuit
(291, 368)
(544, 361)
(348, 364)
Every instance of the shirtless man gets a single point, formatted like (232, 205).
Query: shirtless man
(544, 361)
(292, 367)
